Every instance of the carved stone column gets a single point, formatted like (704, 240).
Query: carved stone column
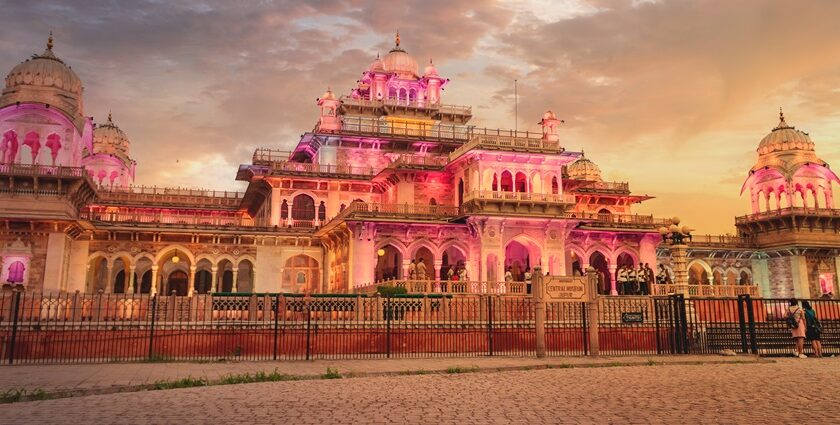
(191, 287)
(131, 278)
(214, 286)
(154, 289)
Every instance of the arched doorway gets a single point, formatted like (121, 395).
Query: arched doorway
(389, 264)
(519, 258)
(598, 261)
(521, 182)
(717, 277)
(460, 192)
(120, 282)
(506, 183)
(732, 277)
(745, 278)
(145, 286)
(697, 275)
(453, 259)
(300, 273)
(177, 281)
(428, 258)
(203, 282)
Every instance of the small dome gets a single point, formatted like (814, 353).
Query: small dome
(584, 169)
(328, 95)
(785, 137)
(45, 70)
(111, 140)
(400, 62)
(377, 65)
(431, 71)
(548, 115)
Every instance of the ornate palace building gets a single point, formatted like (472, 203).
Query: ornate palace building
(389, 176)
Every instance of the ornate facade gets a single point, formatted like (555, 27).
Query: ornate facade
(389, 178)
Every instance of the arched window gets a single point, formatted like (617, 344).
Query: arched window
(16, 270)
(301, 273)
(521, 182)
(303, 208)
(432, 201)
(9, 147)
(33, 141)
(506, 182)
(555, 187)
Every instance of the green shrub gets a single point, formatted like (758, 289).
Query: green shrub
(387, 291)
(331, 374)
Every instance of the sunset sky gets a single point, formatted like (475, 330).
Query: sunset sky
(672, 96)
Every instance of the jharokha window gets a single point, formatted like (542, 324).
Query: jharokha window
(16, 270)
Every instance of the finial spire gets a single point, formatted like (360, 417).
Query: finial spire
(781, 114)
(397, 38)
(110, 121)
(50, 41)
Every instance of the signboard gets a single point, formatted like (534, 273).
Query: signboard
(565, 288)
(632, 317)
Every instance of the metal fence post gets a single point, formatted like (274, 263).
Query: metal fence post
(742, 326)
(539, 310)
(389, 312)
(308, 308)
(276, 310)
(593, 310)
(490, 324)
(751, 324)
(15, 313)
(152, 328)
(656, 325)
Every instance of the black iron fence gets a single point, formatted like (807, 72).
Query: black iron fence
(77, 328)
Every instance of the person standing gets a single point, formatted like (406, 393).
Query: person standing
(421, 269)
(796, 323)
(813, 328)
(623, 278)
(649, 279)
(528, 280)
(412, 270)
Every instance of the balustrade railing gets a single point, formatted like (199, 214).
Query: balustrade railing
(152, 194)
(704, 290)
(606, 186)
(267, 155)
(419, 104)
(819, 212)
(450, 287)
(38, 170)
(519, 196)
(435, 212)
(166, 218)
(721, 241)
(300, 167)
(420, 160)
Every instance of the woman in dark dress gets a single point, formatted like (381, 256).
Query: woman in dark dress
(813, 328)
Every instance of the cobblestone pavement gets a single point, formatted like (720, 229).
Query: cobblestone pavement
(722, 393)
(83, 377)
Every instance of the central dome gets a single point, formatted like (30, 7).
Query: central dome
(45, 70)
(785, 137)
(400, 62)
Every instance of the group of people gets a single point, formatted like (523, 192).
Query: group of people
(417, 270)
(635, 280)
(804, 325)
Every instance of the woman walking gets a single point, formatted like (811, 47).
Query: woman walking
(796, 323)
(813, 328)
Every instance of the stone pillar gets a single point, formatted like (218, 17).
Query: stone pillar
(214, 287)
(191, 287)
(254, 279)
(613, 284)
(538, 295)
(275, 207)
(236, 280)
(154, 288)
(592, 307)
(131, 279)
(679, 263)
(438, 265)
(799, 274)
(109, 276)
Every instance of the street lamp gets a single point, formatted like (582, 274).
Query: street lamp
(674, 233)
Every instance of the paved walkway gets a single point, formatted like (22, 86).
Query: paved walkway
(112, 377)
(710, 393)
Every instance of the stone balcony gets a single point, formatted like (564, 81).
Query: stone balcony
(793, 226)
(516, 203)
